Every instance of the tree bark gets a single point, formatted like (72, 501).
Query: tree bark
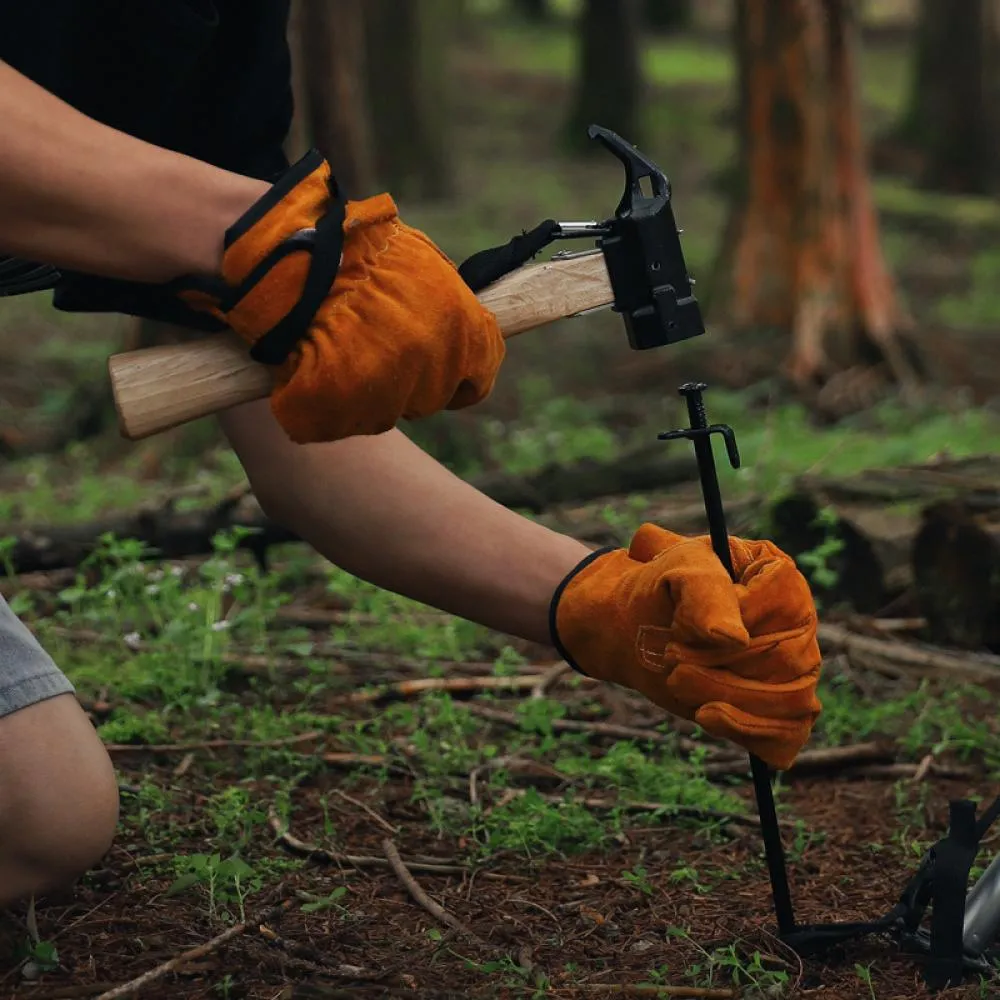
(802, 249)
(409, 85)
(609, 74)
(331, 36)
(953, 116)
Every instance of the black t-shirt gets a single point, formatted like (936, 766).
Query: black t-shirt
(208, 78)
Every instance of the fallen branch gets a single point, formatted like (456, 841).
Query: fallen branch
(915, 772)
(673, 809)
(345, 758)
(647, 990)
(284, 741)
(200, 951)
(453, 685)
(177, 534)
(824, 759)
(692, 812)
(914, 659)
(608, 729)
(412, 886)
(549, 679)
(358, 804)
(320, 854)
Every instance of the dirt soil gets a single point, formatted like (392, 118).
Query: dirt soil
(573, 918)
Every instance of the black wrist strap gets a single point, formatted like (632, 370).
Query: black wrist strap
(324, 242)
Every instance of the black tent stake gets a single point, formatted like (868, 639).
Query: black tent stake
(699, 433)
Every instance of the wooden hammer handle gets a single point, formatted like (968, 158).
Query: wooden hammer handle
(157, 388)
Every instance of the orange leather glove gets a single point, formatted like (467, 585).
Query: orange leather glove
(664, 618)
(365, 320)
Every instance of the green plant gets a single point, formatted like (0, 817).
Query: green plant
(865, 975)
(816, 563)
(222, 881)
(638, 878)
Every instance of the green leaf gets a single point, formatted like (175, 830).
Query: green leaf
(185, 881)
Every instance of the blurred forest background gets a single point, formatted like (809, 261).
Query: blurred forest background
(834, 167)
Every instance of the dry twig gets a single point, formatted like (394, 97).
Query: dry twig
(285, 741)
(648, 990)
(826, 758)
(312, 852)
(409, 689)
(200, 951)
(609, 729)
(385, 824)
(412, 886)
(541, 689)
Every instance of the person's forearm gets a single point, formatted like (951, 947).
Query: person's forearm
(388, 513)
(79, 195)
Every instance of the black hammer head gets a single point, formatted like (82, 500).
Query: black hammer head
(642, 250)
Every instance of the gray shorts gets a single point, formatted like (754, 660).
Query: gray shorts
(27, 673)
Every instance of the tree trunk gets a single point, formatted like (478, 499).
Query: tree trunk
(667, 16)
(409, 83)
(929, 534)
(953, 117)
(536, 11)
(802, 250)
(331, 37)
(609, 74)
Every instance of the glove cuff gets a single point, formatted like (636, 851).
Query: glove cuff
(557, 596)
(269, 292)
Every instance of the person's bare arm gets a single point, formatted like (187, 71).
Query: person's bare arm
(389, 513)
(79, 195)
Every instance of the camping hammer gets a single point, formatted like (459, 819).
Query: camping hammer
(636, 269)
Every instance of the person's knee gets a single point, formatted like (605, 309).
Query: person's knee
(58, 798)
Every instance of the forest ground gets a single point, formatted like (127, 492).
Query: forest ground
(265, 763)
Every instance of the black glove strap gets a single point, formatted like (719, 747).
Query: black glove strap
(557, 596)
(324, 242)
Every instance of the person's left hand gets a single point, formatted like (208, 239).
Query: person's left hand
(663, 617)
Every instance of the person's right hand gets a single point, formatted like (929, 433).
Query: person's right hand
(365, 320)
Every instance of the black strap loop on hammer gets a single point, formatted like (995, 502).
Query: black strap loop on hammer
(487, 266)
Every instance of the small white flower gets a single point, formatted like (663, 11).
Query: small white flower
(177, 570)
(234, 579)
(192, 606)
(152, 588)
(132, 639)
(111, 593)
(220, 626)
